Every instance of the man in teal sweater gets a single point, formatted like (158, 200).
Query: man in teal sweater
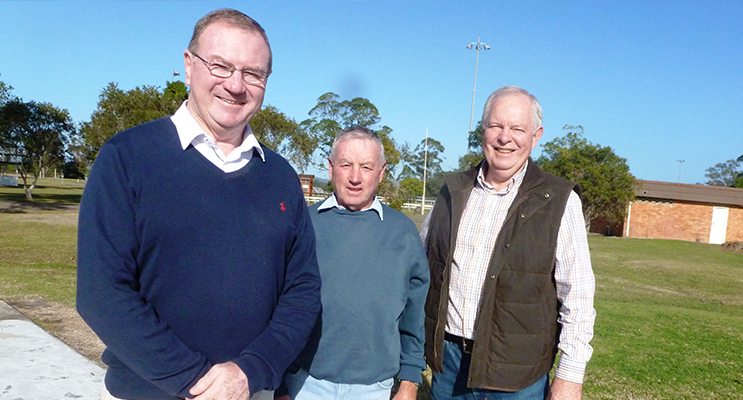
(374, 277)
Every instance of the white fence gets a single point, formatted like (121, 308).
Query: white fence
(427, 205)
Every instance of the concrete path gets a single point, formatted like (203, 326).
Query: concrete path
(35, 365)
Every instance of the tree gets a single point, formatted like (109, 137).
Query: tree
(330, 116)
(411, 187)
(5, 92)
(724, 174)
(424, 154)
(283, 135)
(36, 134)
(475, 155)
(119, 110)
(604, 178)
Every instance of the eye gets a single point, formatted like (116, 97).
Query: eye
(219, 66)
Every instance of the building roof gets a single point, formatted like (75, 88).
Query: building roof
(683, 192)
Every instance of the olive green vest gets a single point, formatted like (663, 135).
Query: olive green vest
(516, 331)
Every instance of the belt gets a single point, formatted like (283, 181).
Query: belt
(465, 344)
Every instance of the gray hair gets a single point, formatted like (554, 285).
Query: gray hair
(536, 109)
(230, 17)
(358, 132)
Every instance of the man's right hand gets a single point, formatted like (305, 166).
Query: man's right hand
(224, 381)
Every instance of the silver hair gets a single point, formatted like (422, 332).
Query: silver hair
(536, 109)
(358, 132)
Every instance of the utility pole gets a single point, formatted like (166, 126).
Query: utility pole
(425, 162)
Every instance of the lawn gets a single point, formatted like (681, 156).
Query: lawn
(670, 313)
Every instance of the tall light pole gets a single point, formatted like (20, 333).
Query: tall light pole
(680, 163)
(478, 46)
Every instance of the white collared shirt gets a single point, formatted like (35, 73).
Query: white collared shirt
(331, 202)
(190, 133)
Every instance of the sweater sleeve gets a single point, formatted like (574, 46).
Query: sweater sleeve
(270, 354)
(108, 295)
(412, 332)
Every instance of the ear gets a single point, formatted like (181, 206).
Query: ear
(537, 136)
(187, 63)
(330, 168)
(381, 172)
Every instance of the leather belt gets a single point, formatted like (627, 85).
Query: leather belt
(466, 345)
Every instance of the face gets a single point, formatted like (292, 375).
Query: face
(356, 172)
(222, 106)
(508, 138)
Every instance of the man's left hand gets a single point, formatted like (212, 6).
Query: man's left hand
(224, 381)
(407, 391)
(565, 390)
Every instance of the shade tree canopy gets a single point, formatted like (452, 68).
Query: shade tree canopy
(605, 182)
(35, 134)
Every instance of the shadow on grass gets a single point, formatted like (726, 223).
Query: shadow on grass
(17, 203)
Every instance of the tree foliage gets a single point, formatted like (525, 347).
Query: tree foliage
(604, 178)
(35, 133)
(475, 155)
(5, 92)
(283, 135)
(119, 110)
(330, 116)
(725, 174)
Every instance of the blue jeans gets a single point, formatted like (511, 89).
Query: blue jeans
(302, 386)
(452, 384)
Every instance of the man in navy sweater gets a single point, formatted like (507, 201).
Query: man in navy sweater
(196, 253)
(374, 283)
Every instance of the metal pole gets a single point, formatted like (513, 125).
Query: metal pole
(425, 162)
(680, 163)
(478, 46)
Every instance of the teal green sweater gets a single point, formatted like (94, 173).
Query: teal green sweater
(374, 283)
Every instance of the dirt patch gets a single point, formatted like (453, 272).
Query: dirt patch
(64, 323)
(735, 247)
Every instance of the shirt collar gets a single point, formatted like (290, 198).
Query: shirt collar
(189, 131)
(513, 185)
(332, 202)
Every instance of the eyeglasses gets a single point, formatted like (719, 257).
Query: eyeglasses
(222, 69)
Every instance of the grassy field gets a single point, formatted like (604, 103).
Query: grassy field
(670, 313)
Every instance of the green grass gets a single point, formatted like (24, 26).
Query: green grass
(669, 321)
(37, 259)
(47, 191)
(669, 313)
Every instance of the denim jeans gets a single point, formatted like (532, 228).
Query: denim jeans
(302, 386)
(452, 384)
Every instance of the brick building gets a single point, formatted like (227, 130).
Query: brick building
(707, 214)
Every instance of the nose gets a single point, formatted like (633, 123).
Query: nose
(354, 177)
(505, 135)
(234, 84)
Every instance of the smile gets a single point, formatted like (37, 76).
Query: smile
(506, 151)
(239, 103)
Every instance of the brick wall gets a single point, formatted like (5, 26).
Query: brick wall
(680, 221)
(735, 225)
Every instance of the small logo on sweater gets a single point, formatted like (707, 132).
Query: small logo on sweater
(282, 207)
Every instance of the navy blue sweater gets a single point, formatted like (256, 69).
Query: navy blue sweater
(374, 284)
(182, 266)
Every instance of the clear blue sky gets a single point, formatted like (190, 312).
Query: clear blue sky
(658, 81)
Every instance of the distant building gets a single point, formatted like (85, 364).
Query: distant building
(698, 213)
(306, 181)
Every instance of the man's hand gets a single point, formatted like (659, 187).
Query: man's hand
(224, 381)
(284, 397)
(407, 391)
(565, 390)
